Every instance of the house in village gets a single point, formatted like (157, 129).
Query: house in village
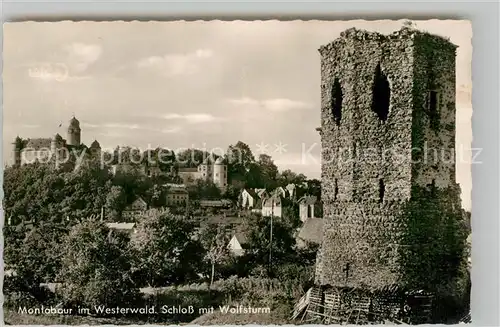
(221, 204)
(280, 191)
(291, 190)
(309, 207)
(177, 195)
(237, 244)
(261, 192)
(311, 233)
(122, 227)
(248, 199)
(272, 206)
(135, 208)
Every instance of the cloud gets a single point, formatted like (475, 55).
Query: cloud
(112, 134)
(30, 126)
(119, 125)
(112, 125)
(176, 64)
(81, 55)
(171, 130)
(75, 60)
(87, 125)
(274, 105)
(168, 130)
(191, 118)
(280, 105)
(48, 72)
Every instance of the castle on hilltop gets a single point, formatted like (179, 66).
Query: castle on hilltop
(42, 149)
(214, 170)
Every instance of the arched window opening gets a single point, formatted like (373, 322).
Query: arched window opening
(336, 101)
(381, 190)
(381, 94)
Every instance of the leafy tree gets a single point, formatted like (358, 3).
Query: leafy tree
(268, 170)
(36, 258)
(289, 177)
(161, 158)
(240, 159)
(239, 156)
(85, 190)
(41, 192)
(191, 158)
(96, 267)
(134, 183)
(203, 189)
(19, 142)
(214, 240)
(314, 188)
(27, 195)
(232, 192)
(254, 177)
(157, 196)
(116, 201)
(259, 243)
(166, 252)
(291, 215)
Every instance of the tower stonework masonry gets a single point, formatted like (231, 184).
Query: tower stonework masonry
(391, 202)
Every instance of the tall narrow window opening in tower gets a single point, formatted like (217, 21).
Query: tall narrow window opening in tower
(433, 187)
(381, 94)
(381, 190)
(433, 109)
(336, 190)
(336, 101)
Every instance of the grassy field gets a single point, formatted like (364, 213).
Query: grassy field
(12, 317)
(233, 292)
(218, 318)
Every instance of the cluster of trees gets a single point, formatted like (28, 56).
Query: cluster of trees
(49, 236)
(99, 266)
(38, 192)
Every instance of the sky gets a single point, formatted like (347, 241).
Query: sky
(193, 84)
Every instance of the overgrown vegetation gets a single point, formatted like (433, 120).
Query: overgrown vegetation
(434, 255)
(56, 234)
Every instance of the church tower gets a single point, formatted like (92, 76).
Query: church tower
(74, 132)
(388, 169)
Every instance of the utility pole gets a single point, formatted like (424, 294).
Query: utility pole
(271, 236)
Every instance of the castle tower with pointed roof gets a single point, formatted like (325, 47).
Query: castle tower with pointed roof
(74, 132)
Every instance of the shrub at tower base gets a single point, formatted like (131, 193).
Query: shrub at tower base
(433, 249)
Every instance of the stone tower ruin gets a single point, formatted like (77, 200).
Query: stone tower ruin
(391, 202)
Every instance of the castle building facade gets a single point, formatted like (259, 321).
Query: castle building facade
(208, 170)
(43, 149)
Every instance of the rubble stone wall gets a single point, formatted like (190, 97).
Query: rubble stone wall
(375, 173)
